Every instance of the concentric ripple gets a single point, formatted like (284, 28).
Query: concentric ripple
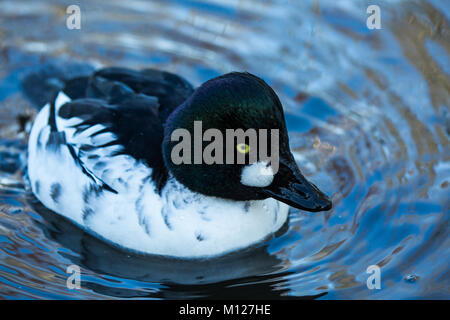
(368, 118)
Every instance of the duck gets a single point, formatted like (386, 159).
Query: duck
(100, 153)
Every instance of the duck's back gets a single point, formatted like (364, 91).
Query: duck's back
(78, 81)
(123, 108)
(170, 90)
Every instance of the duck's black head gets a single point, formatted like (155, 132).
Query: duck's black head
(202, 152)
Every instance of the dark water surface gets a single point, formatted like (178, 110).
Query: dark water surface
(368, 115)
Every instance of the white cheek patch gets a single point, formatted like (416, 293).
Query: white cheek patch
(258, 174)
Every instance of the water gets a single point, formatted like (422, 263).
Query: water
(368, 116)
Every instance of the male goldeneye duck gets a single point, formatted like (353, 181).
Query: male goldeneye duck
(100, 154)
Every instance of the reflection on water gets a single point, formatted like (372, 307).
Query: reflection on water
(368, 115)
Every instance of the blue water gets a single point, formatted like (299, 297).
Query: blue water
(368, 118)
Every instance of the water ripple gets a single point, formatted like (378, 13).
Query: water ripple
(367, 113)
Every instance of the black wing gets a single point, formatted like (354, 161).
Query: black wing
(131, 105)
(170, 89)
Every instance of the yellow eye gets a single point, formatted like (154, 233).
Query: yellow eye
(243, 148)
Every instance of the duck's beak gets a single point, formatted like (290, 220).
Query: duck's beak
(291, 187)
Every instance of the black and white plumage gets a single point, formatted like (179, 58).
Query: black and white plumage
(95, 157)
